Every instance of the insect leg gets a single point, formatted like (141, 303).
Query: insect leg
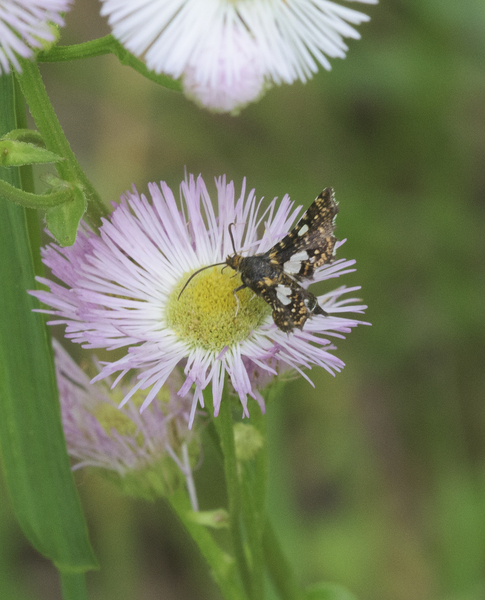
(241, 287)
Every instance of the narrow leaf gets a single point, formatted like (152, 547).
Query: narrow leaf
(63, 220)
(32, 444)
(31, 136)
(16, 154)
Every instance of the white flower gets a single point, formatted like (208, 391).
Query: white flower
(121, 290)
(227, 49)
(26, 24)
(228, 77)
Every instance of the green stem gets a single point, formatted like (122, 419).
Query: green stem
(254, 474)
(28, 200)
(222, 566)
(27, 185)
(224, 427)
(279, 568)
(47, 123)
(73, 586)
(253, 529)
(107, 45)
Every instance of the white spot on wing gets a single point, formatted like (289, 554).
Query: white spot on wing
(303, 230)
(283, 293)
(293, 265)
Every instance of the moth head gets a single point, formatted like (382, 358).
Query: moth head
(233, 261)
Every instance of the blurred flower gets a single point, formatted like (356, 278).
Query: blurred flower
(122, 290)
(147, 453)
(227, 52)
(27, 24)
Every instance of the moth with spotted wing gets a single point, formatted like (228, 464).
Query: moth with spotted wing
(275, 275)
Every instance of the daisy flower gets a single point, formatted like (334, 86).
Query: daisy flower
(147, 452)
(27, 24)
(120, 290)
(228, 51)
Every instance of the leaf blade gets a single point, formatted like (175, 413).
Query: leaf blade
(32, 444)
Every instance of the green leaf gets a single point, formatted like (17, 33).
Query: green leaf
(63, 220)
(32, 445)
(328, 591)
(31, 136)
(16, 154)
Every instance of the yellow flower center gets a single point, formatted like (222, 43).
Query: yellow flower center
(205, 314)
(111, 417)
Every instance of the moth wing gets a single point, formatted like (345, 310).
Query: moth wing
(292, 305)
(311, 242)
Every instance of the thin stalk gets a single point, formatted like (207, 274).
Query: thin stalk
(73, 586)
(224, 427)
(49, 127)
(107, 45)
(28, 200)
(222, 566)
(278, 566)
(254, 476)
(252, 518)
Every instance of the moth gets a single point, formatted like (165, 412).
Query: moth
(275, 275)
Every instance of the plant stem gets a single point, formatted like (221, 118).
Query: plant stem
(279, 568)
(253, 486)
(28, 200)
(221, 565)
(224, 427)
(107, 45)
(73, 586)
(49, 127)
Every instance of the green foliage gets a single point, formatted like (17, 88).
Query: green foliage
(378, 473)
(328, 591)
(63, 220)
(35, 462)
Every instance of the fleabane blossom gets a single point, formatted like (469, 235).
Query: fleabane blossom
(146, 453)
(122, 290)
(25, 25)
(228, 51)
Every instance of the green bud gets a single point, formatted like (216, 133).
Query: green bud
(217, 519)
(248, 441)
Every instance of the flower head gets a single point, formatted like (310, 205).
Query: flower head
(228, 51)
(148, 452)
(27, 24)
(121, 290)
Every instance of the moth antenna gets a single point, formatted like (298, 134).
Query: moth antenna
(196, 273)
(232, 237)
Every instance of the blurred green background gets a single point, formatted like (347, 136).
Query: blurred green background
(378, 475)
